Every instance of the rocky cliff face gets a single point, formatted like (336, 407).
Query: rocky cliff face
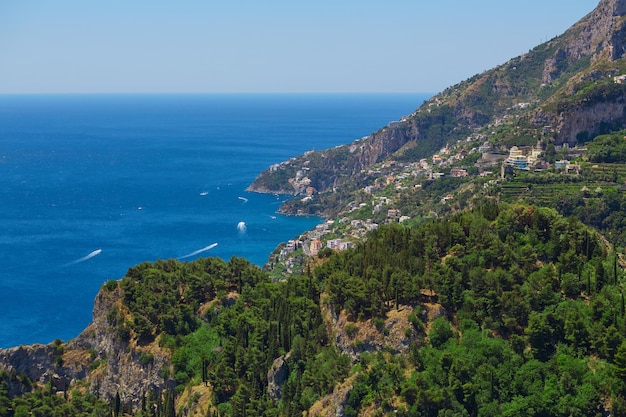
(592, 50)
(366, 337)
(98, 356)
(42, 364)
(585, 122)
(129, 370)
(384, 143)
(598, 35)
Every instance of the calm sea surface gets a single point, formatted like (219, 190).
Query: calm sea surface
(93, 184)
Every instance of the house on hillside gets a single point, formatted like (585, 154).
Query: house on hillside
(523, 158)
(316, 246)
(458, 172)
(484, 148)
(393, 213)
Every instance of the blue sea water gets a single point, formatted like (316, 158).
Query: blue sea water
(91, 185)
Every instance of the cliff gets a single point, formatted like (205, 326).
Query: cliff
(125, 367)
(98, 358)
(562, 91)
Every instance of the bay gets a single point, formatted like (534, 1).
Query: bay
(91, 185)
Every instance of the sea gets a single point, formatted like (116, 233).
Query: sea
(91, 185)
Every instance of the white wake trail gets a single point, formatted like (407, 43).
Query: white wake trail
(194, 253)
(85, 258)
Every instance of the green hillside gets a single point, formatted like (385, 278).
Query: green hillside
(530, 318)
(472, 265)
(563, 92)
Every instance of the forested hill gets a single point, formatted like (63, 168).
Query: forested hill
(562, 91)
(474, 302)
(502, 310)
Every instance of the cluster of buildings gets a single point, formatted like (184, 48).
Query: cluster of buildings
(527, 158)
(398, 175)
(311, 243)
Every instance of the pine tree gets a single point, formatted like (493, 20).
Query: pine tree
(620, 362)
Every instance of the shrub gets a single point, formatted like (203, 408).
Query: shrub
(146, 358)
(440, 332)
(379, 323)
(111, 285)
(351, 329)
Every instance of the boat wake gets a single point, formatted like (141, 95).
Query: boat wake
(244, 199)
(199, 251)
(85, 258)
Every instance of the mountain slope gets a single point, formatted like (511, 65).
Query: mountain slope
(501, 310)
(562, 91)
(493, 311)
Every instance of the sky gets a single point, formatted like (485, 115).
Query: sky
(276, 46)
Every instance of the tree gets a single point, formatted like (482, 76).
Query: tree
(117, 405)
(620, 362)
(440, 332)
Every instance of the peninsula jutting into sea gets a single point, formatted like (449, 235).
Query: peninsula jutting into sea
(96, 184)
(470, 262)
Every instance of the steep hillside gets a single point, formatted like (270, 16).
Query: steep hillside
(475, 304)
(489, 312)
(563, 91)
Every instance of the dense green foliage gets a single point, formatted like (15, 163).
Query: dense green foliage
(536, 297)
(265, 322)
(534, 324)
(251, 322)
(164, 296)
(595, 196)
(609, 148)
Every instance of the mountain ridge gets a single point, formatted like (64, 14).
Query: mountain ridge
(570, 96)
(543, 82)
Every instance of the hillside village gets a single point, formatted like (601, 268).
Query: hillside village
(465, 161)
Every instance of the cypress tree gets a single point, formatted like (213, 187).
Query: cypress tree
(205, 376)
(117, 405)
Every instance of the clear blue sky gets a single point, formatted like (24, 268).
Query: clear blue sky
(199, 46)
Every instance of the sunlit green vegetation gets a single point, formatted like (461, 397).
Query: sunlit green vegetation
(534, 323)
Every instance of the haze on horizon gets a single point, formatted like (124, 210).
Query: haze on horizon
(244, 46)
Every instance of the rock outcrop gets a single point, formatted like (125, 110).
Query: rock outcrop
(43, 364)
(600, 35)
(128, 370)
(276, 377)
(364, 336)
(99, 356)
(591, 121)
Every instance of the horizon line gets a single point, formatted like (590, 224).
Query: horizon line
(212, 93)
